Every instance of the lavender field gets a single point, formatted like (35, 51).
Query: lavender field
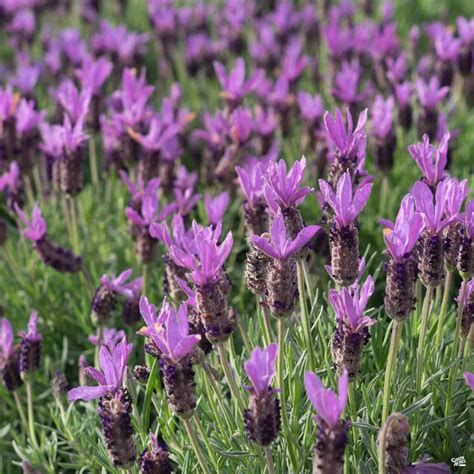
(236, 236)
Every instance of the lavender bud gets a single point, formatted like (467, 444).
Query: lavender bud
(71, 173)
(465, 60)
(114, 412)
(392, 441)
(428, 122)
(384, 149)
(294, 224)
(282, 287)
(131, 311)
(445, 73)
(467, 318)
(405, 116)
(57, 257)
(452, 243)
(141, 373)
(166, 173)
(256, 269)
(145, 246)
(399, 299)
(148, 165)
(262, 419)
(430, 260)
(178, 379)
(103, 304)
(10, 370)
(196, 326)
(59, 385)
(465, 260)
(255, 217)
(155, 460)
(331, 443)
(344, 243)
(30, 353)
(338, 167)
(170, 286)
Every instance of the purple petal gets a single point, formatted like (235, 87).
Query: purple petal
(87, 393)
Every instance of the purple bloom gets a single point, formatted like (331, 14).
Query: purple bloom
(432, 208)
(400, 237)
(280, 247)
(8, 103)
(250, 179)
(468, 219)
(27, 118)
(185, 200)
(180, 238)
(382, 112)
(234, 84)
(469, 377)
(32, 333)
(36, 226)
(26, 77)
(456, 192)
(350, 303)
(284, 190)
(293, 63)
(94, 73)
(311, 107)
(6, 339)
(241, 123)
(159, 137)
(169, 330)
(260, 368)
(138, 190)
(430, 94)
(446, 46)
(403, 93)
(11, 179)
(185, 179)
(72, 136)
(118, 284)
(465, 29)
(337, 39)
(113, 363)
(110, 338)
(216, 207)
(328, 405)
(397, 68)
(351, 143)
(345, 205)
(430, 159)
(347, 84)
(74, 102)
(149, 211)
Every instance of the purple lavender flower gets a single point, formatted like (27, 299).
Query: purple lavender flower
(346, 87)
(332, 431)
(215, 207)
(30, 347)
(293, 63)
(74, 102)
(466, 32)
(155, 457)
(430, 94)
(311, 107)
(26, 77)
(234, 84)
(94, 73)
(9, 357)
(36, 227)
(185, 200)
(385, 140)
(465, 261)
(397, 68)
(11, 183)
(27, 118)
(446, 46)
(337, 39)
(110, 338)
(405, 113)
(262, 419)
(431, 160)
(469, 377)
(185, 179)
(467, 316)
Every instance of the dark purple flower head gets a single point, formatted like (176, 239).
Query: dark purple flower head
(311, 107)
(113, 363)
(32, 333)
(350, 143)
(169, 330)
(94, 73)
(206, 257)
(431, 207)
(110, 338)
(456, 192)
(346, 205)
(234, 85)
(469, 378)
(260, 368)
(27, 118)
(150, 211)
(328, 405)
(382, 113)
(215, 207)
(185, 200)
(465, 30)
(430, 159)
(11, 179)
(280, 247)
(346, 88)
(36, 226)
(468, 219)
(401, 236)
(350, 303)
(284, 189)
(430, 94)
(6, 339)
(74, 102)
(139, 189)
(403, 93)
(446, 46)
(250, 179)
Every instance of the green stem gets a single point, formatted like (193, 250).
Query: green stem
(230, 376)
(29, 191)
(19, 407)
(281, 385)
(267, 326)
(243, 333)
(38, 184)
(307, 281)
(391, 365)
(31, 418)
(454, 354)
(444, 305)
(305, 318)
(420, 359)
(97, 348)
(67, 218)
(196, 447)
(205, 439)
(269, 459)
(72, 206)
(93, 163)
(384, 193)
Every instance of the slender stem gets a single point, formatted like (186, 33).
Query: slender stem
(243, 333)
(444, 305)
(29, 191)
(305, 318)
(420, 360)
(391, 365)
(230, 376)
(93, 163)
(307, 281)
(31, 418)
(281, 385)
(384, 193)
(269, 459)
(75, 233)
(97, 347)
(205, 439)
(196, 447)
(269, 336)
(419, 296)
(67, 218)
(20, 408)
(454, 353)
(38, 184)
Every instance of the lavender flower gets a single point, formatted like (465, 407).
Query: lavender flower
(401, 267)
(385, 140)
(281, 287)
(469, 377)
(93, 74)
(215, 207)
(155, 458)
(74, 102)
(115, 403)
(429, 95)
(110, 337)
(30, 347)
(405, 113)
(466, 32)
(262, 419)
(346, 87)
(331, 437)
(169, 332)
(447, 50)
(467, 317)
(9, 357)
(465, 263)
(344, 232)
(11, 183)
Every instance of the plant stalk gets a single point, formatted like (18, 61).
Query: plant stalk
(31, 418)
(230, 376)
(305, 318)
(420, 361)
(444, 306)
(269, 459)
(196, 447)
